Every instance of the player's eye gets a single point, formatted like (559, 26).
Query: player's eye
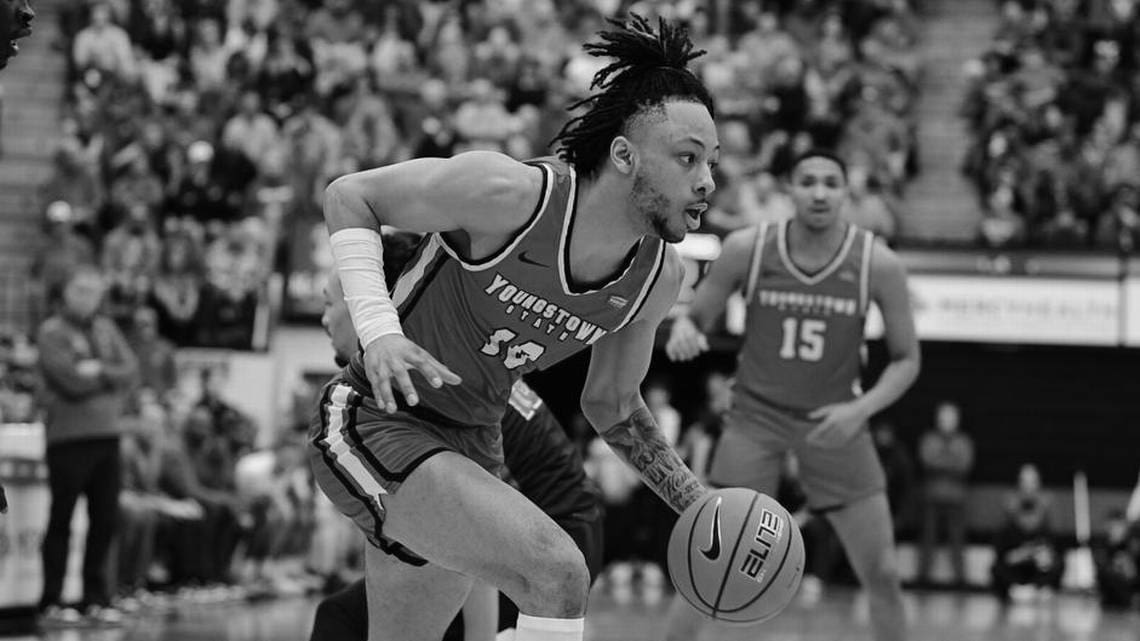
(713, 164)
(688, 159)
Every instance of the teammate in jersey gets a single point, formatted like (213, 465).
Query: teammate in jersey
(808, 283)
(542, 462)
(524, 265)
(15, 23)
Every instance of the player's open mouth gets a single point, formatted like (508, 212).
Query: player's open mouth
(693, 215)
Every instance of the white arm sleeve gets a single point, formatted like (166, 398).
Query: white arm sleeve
(359, 254)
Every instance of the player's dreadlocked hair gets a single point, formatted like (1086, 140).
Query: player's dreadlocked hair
(649, 68)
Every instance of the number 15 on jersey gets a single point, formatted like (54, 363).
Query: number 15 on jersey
(803, 339)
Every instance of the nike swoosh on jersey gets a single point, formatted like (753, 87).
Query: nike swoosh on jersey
(713, 551)
(530, 261)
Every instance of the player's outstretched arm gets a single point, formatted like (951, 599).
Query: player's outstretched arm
(612, 402)
(727, 274)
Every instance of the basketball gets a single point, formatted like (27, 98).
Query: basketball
(736, 556)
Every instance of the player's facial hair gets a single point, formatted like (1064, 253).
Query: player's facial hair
(653, 207)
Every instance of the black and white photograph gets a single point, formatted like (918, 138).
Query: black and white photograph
(570, 320)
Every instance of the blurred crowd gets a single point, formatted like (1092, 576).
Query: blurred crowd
(195, 132)
(1052, 106)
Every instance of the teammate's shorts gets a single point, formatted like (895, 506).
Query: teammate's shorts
(360, 453)
(756, 439)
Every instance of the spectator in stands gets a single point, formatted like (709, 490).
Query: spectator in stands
(103, 46)
(177, 287)
(65, 250)
(131, 254)
(482, 120)
(315, 147)
(1025, 549)
(699, 440)
(370, 134)
(88, 368)
(140, 502)
(1119, 227)
(251, 131)
(866, 207)
(158, 372)
(902, 477)
(75, 180)
(1116, 553)
(216, 435)
(947, 457)
(208, 57)
(133, 183)
(200, 196)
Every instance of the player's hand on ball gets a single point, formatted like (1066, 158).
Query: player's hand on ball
(686, 342)
(838, 424)
(393, 357)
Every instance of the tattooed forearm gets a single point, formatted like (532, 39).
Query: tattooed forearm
(639, 441)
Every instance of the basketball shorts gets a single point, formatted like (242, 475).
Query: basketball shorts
(360, 453)
(755, 442)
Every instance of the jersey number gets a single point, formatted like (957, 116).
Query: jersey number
(803, 339)
(514, 354)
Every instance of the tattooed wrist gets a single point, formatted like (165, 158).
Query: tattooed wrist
(639, 441)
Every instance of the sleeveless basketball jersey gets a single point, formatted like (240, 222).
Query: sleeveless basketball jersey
(804, 332)
(494, 319)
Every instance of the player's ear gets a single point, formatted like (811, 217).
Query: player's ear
(623, 154)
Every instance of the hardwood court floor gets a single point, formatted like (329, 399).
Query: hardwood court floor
(839, 616)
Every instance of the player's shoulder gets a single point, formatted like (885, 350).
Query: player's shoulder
(496, 177)
(883, 258)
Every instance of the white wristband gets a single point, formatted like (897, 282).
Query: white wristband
(359, 254)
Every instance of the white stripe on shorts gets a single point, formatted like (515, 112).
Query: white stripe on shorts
(344, 458)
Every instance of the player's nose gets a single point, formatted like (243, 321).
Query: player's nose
(706, 184)
(25, 12)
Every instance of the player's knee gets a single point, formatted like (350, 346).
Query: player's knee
(882, 572)
(552, 579)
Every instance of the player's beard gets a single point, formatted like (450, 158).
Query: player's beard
(652, 206)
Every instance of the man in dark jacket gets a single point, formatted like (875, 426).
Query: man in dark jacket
(88, 369)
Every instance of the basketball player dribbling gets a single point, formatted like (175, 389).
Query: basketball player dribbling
(15, 23)
(542, 461)
(524, 265)
(808, 283)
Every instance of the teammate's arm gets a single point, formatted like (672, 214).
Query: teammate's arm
(727, 274)
(482, 194)
(889, 291)
(611, 399)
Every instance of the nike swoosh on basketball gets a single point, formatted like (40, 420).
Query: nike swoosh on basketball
(713, 552)
(530, 261)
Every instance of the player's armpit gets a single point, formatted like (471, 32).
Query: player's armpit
(640, 443)
(478, 192)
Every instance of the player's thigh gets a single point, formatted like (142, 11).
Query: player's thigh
(748, 454)
(867, 534)
(834, 477)
(410, 603)
(455, 514)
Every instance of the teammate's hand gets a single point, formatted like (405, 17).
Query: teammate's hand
(838, 424)
(686, 342)
(393, 357)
